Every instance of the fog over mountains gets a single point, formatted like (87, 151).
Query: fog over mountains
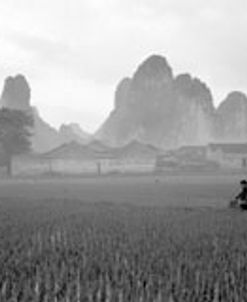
(154, 106)
(159, 108)
(17, 95)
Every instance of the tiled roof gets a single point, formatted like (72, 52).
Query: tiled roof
(230, 148)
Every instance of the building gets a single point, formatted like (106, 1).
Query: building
(231, 156)
(186, 158)
(94, 158)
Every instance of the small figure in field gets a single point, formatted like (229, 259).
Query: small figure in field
(241, 199)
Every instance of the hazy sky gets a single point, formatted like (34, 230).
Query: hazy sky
(74, 52)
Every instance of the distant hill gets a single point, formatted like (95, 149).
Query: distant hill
(73, 132)
(152, 107)
(156, 107)
(231, 123)
(17, 95)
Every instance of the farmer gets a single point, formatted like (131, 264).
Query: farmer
(241, 198)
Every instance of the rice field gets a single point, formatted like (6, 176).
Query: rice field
(67, 244)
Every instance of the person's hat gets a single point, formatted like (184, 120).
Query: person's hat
(243, 182)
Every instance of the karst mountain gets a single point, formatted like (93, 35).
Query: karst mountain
(153, 106)
(17, 95)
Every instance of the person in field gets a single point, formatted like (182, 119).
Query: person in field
(241, 198)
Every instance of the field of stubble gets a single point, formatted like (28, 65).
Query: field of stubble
(123, 239)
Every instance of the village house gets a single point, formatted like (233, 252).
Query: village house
(189, 158)
(94, 158)
(231, 156)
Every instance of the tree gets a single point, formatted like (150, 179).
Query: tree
(15, 134)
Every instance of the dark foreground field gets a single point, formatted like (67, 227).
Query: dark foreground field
(87, 240)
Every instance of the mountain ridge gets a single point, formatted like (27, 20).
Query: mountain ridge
(168, 111)
(16, 94)
(152, 106)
